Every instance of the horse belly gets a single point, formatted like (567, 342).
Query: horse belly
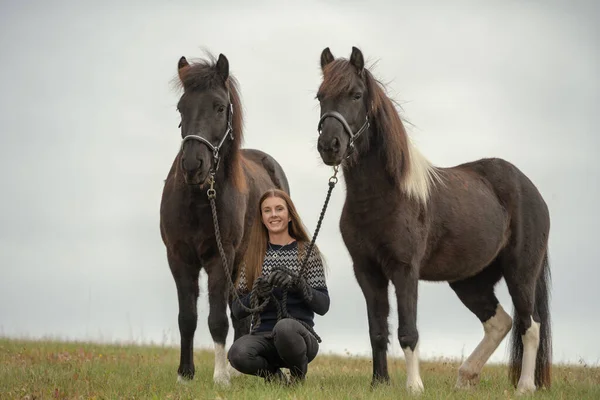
(469, 236)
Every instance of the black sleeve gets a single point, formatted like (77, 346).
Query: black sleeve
(320, 300)
(237, 310)
(316, 283)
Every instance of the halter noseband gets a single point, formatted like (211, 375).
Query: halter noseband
(215, 149)
(353, 136)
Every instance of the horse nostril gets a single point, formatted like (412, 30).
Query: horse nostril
(191, 163)
(335, 145)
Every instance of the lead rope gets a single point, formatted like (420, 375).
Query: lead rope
(256, 307)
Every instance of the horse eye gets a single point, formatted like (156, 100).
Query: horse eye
(356, 95)
(221, 109)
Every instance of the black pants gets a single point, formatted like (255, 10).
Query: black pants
(291, 346)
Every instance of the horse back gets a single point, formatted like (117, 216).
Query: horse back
(468, 221)
(256, 162)
(475, 213)
(514, 190)
(526, 208)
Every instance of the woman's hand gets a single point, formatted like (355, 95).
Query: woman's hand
(280, 279)
(263, 287)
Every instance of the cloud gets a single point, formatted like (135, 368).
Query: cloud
(89, 131)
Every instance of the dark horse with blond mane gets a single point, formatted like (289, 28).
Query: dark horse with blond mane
(211, 131)
(405, 220)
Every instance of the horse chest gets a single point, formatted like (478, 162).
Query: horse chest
(187, 221)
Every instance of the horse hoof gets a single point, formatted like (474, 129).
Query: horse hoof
(221, 379)
(415, 388)
(380, 381)
(525, 388)
(182, 380)
(466, 380)
(464, 384)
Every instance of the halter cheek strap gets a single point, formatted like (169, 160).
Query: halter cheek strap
(353, 136)
(215, 149)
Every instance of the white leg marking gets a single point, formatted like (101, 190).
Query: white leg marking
(414, 384)
(221, 375)
(531, 342)
(181, 380)
(495, 329)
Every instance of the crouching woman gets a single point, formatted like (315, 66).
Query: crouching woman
(277, 245)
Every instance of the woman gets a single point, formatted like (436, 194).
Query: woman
(278, 243)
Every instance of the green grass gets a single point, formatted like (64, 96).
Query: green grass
(49, 370)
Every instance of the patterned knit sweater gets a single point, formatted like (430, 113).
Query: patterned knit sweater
(287, 256)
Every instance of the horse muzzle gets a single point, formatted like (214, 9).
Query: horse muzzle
(329, 149)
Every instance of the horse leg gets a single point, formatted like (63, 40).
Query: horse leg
(522, 295)
(218, 323)
(374, 286)
(241, 327)
(186, 281)
(406, 283)
(477, 294)
(528, 290)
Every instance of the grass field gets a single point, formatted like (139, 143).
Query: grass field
(58, 370)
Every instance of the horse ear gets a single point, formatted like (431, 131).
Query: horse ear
(357, 59)
(223, 67)
(326, 57)
(182, 67)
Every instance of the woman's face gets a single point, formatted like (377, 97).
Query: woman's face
(275, 215)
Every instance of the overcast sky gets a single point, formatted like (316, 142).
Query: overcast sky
(88, 131)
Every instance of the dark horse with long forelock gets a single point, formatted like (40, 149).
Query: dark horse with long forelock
(405, 220)
(211, 131)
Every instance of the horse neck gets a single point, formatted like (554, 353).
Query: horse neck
(369, 167)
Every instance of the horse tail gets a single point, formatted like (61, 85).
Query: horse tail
(543, 363)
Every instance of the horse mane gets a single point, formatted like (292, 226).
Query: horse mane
(411, 171)
(202, 75)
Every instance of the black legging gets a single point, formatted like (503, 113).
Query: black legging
(292, 346)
